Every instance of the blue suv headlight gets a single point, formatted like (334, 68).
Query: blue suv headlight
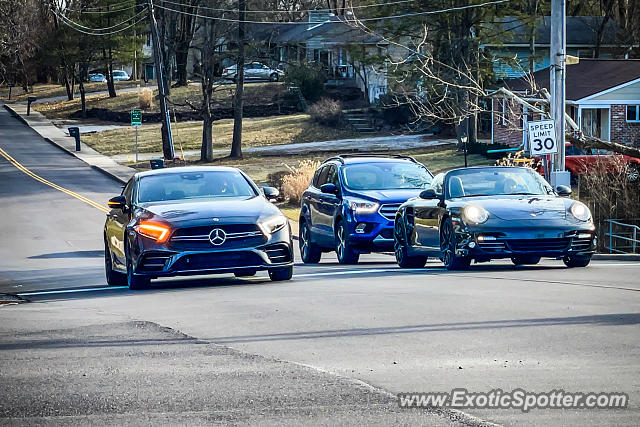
(363, 206)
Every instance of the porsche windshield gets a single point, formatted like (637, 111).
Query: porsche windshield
(193, 185)
(496, 181)
(386, 176)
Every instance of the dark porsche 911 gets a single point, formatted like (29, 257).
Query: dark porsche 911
(484, 213)
(194, 220)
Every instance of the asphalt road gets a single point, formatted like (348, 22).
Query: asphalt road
(330, 347)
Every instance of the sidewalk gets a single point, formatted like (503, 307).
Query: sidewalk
(58, 137)
(379, 143)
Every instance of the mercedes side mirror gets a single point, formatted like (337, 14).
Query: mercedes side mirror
(429, 194)
(271, 193)
(328, 188)
(563, 191)
(118, 202)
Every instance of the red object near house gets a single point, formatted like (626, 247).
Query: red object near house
(578, 162)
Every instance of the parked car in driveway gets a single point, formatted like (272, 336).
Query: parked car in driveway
(254, 71)
(119, 75)
(579, 162)
(194, 220)
(485, 213)
(97, 77)
(351, 203)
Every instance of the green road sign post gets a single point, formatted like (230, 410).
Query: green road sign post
(136, 120)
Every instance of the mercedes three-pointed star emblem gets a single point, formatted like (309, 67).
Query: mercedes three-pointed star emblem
(217, 236)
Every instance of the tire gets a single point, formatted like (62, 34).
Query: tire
(447, 247)
(633, 173)
(400, 248)
(274, 77)
(575, 261)
(281, 274)
(346, 254)
(134, 282)
(114, 278)
(309, 251)
(525, 259)
(245, 273)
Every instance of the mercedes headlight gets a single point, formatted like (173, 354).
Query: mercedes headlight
(580, 211)
(272, 224)
(475, 214)
(363, 206)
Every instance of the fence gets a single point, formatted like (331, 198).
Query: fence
(622, 238)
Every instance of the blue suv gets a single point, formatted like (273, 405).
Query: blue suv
(351, 204)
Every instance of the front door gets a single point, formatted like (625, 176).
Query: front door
(327, 207)
(118, 220)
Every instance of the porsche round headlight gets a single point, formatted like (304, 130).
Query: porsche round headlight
(475, 214)
(580, 211)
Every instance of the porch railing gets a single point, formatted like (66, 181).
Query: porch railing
(623, 238)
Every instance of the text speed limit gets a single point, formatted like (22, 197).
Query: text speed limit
(542, 137)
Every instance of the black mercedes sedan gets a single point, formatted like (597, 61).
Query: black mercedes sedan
(485, 213)
(194, 220)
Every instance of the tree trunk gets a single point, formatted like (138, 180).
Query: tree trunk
(83, 99)
(110, 85)
(67, 85)
(236, 144)
(206, 151)
(182, 56)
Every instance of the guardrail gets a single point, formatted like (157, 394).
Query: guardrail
(621, 241)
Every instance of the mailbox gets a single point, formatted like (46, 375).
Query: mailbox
(74, 131)
(156, 163)
(29, 101)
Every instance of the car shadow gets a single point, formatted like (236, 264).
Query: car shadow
(70, 254)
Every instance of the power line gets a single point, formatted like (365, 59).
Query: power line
(289, 11)
(354, 19)
(82, 29)
(100, 12)
(125, 2)
(106, 28)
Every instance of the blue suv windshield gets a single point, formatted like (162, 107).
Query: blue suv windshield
(385, 176)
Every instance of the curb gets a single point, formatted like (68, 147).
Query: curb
(616, 257)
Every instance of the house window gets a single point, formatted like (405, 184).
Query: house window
(633, 113)
(504, 111)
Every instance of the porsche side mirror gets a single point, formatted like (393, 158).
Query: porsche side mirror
(429, 194)
(328, 188)
(271, 193)
(563, 191)
(118, 202)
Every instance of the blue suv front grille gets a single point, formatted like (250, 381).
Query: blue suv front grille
(388, 210)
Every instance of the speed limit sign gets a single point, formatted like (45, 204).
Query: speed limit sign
(542, 137)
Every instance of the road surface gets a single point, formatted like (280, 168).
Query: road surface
(332, 346)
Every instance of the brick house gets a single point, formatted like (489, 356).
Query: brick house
(603, 98)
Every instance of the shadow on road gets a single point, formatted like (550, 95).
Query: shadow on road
(71, 254)
(616, 319)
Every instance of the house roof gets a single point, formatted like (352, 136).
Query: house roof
(581, 30)
(588, 77)
(332, 31)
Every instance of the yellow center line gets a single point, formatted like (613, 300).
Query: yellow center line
(26, 171)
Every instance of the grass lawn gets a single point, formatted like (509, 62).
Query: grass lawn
(258, 131)
(255, 94)
(50, 90)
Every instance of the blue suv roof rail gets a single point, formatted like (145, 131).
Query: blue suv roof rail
(342, 157)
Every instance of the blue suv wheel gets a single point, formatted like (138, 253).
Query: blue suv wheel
(350, 205)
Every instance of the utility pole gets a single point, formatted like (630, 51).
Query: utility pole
(558, 55)
(167, 139)
(236, 143)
